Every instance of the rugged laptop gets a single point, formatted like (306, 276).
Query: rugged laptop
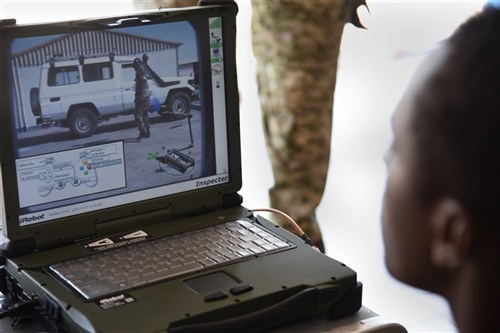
(112, 231)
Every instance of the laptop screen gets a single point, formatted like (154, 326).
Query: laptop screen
(107, 117)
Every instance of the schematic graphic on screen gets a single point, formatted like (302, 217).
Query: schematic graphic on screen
(56, 175)
(70, 174)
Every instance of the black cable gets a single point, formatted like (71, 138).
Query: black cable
(20, 308)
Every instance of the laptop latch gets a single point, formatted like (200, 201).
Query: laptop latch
(129, 21)
(6, 22)
(215, 2)
(232, 200)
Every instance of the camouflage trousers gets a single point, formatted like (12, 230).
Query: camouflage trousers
(141, 114)
(296, 44)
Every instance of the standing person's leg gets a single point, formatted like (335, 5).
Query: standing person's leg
(296, 44)
(142, 117)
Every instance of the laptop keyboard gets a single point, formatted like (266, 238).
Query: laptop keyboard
(160, 259)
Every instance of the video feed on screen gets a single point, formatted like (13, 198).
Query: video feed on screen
(109, 117)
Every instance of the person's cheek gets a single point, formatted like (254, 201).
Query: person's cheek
(387, 234)
(391, 220)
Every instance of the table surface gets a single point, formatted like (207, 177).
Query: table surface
(365, 320)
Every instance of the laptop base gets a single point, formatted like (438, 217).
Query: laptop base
(244, 298)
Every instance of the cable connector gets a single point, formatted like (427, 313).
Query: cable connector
(307, 239)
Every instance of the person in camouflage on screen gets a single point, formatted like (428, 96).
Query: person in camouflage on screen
(296, 44)
(142, 99)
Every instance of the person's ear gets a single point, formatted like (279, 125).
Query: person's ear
(450, 234)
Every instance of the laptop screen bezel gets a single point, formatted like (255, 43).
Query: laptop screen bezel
(61, 231)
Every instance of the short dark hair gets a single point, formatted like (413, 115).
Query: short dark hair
(457, 123)
(137, 63)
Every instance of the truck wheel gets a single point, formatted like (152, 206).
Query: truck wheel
(179, 103)
(35, 102)
(83, 123)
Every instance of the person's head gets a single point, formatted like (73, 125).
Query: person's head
(137, 63)
(442, 200)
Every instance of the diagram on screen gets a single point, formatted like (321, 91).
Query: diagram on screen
(70, 174)
(57, 175)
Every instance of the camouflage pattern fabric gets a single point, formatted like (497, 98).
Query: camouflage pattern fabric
(141, 100)
(142, 117)
(296, 44)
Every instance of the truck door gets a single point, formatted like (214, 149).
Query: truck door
(58, 87)
(101, 86)
(128, 86)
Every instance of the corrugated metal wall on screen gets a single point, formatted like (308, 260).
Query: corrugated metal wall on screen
(74, 45)
(91, 43)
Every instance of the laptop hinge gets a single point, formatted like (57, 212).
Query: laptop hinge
(132, 222)
(231, 200)
(12, 249)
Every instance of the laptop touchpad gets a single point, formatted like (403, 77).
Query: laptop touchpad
(211, 282)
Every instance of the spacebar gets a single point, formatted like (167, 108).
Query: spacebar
(162, 275)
